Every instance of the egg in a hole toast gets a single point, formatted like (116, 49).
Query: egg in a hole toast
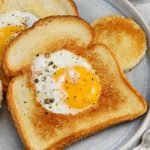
(17, 15)
(60, 51)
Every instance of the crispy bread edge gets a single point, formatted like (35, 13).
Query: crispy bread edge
(5, 65)
(74, 7)
(15, 115)
(142, 100)
(79, 135)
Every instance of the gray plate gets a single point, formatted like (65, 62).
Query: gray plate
(121, 136)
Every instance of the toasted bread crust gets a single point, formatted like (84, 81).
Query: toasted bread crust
(142, 100)
(66, 141)
(10, 72)
(11, 5)
(4, 79)
(124, 37)
(15, 116)
(86, 133)
(74, 7)
(69, 7)
(1, 93)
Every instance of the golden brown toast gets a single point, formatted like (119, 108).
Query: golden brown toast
(1, 93)
(57, 28)
(40, 129)
(39, 8)
(124, 37)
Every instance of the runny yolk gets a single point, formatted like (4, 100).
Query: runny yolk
(81, 92)
(7, 34)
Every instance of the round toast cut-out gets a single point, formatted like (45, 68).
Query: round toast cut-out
(124, 37)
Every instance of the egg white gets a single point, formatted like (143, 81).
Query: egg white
(17, 18)
(47, 88)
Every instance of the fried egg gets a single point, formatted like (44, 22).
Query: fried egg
(65, 83)
(11, 24)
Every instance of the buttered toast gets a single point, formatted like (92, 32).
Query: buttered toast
(124, 37)
(39, 127)
(49, 26)
(40, 8)
(1, 93)
(17, 15)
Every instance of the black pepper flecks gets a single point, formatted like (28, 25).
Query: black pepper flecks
(50, 63)
(36, 80)
(54, 66)
(48, 101)
(51, 100)
(44, 78)
(37, 55)
(47, 70)
(47, 55)
(46, 113)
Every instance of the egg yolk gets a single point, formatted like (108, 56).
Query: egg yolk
(7, 34)
(83, 88)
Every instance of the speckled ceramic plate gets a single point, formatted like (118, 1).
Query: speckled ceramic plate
(119, 137)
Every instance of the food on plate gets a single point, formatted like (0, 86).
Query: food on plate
(53, 27)
(4, 79)
(65, 83)
(11, 24)
(1, 93)
(65, 87)
(17, 15)
(124, 37)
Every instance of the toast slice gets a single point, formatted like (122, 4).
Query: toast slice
(1, 93)
(40, 129)
(40, 8)
(124, 37)
(51, 32)
(4, 79)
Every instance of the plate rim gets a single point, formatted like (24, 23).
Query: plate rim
(144, 25)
